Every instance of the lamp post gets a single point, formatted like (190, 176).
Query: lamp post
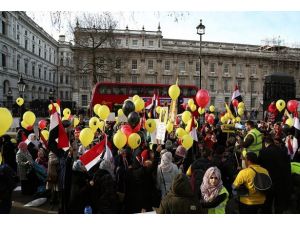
(21, 87)
(50, 95)
(251, 88)
(200, 30)
(9, 93)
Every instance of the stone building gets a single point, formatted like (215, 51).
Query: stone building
(146, 57)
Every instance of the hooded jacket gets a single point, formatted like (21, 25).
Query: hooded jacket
(180, 199)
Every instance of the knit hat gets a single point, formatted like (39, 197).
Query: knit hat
(22, 146)
(180, 151)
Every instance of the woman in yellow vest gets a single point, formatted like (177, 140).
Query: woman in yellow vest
(214, 194)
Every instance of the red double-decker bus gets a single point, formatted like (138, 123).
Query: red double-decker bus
(114, 94)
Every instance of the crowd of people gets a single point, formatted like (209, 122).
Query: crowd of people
(216, 175)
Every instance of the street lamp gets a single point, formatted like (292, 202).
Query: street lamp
(9, 93)
(21, 86)
(51, 94)
(200, 30)
(251, 89)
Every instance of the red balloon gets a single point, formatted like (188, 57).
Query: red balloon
(137, 128)
(127, 130)
(42, 124)
(292, 105)
(272, 107)
(210, 119)
(202, 98)
(206, 116)
(235, 103)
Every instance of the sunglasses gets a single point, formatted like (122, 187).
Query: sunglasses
(215, 178)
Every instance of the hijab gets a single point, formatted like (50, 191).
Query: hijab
(210, 192)
(166, 162)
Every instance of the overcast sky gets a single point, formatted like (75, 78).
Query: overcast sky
(246, 22)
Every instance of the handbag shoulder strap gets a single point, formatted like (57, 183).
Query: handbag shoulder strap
(163, 180)
(253, 169)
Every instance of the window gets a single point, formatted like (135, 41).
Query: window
(33, 69)
(118, 64)
(226, 68)
(240, 69)
(265, 70)
(3, 60)
(119, 41)
(26, 67)
(67, 95)
(240, 85)
(252, 86)
(39, 52)
(54, 77)
(4, 21)
(26, 44)
(182, 67)
(61, 78)
(18, 63)
(167, 65)
(118, 78)
(212, 100)
(84, 82)
(150, 64)
(45, 73)
(197, 66)
(166, 80)
(50, 76)
(68, 62)
(25, 32)
(211, 83)
(61, 62)
(33, 48)
(67, 79)
(134, 64)
(253, 70)
(182, 81)
(135, 42)
(226, 82)
(227, 100)
(40, 72)
(61, 94)
(134, 79)
(212, 68)
(151, 43)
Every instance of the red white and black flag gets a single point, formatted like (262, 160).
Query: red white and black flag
(235, 95)
(58, 138)
(296, 134)
(151, 106)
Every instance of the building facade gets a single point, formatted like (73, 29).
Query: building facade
(28, 51)
(146, 57)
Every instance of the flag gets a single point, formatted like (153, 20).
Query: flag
(58, 138)
(235, 95)
(193, 130)
(296, 134)
(151, 107)
(93, 156)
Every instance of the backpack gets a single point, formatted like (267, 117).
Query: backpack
(262, 182)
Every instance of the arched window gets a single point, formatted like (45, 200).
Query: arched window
(4, 56)
(61, 61)
(5, 87)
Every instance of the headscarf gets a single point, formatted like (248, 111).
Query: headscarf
(107, 165)
(32, 140)
(23, 146)
(208, 191)
(166, 162)
(78, 166)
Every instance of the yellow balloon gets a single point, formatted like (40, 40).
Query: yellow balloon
(290, 122)
(20, 101)
(120, 112)
(101, 125)
(244, 152)
(240, 111)
(169, 127)
(180, 132)
(280, 105)
(174, 92)
(201, 110)
(95, 108)
(139, 104)
(119, 140)
(24, 124)
(193, 107)
(94, 123)
(190, 102)
(241, 105)
(45, 134)
(64, 118)
(67, 112)
(134, 140)
(76, 121)
(187, 141)
(150, 125)
(188, 125)
(158, 109)
(86, 136)
(56, 107)
(211, 108)
(29, 118)
(238, 119)
(6, 120)
(186, 116)
(223, 119)
(135, 97)
(103, 112)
